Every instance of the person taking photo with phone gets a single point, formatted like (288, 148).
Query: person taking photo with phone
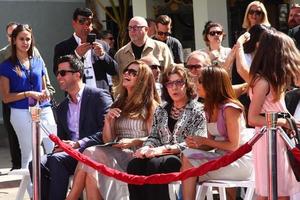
(97, 62)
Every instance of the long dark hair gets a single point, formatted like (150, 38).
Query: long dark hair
(277, 60)
(255, 33)
(218, 89)
(15, 33)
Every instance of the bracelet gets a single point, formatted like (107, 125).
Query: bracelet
(25, 94)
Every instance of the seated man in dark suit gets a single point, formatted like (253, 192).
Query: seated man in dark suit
(80, 119)
(97, 63)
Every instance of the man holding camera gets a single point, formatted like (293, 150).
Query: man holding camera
(97, 63)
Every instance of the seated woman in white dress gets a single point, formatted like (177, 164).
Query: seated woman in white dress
(226, 132)
(128, 122)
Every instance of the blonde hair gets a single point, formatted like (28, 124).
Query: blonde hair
(144, 97)
(265, 21)
(204, 57)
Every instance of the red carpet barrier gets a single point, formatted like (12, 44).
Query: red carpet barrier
(296, 153)
(155, 178)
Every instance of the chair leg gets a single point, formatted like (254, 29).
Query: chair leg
(222, 193)
(23, 186)
(249, 193)
(201, 192)
(209, 193)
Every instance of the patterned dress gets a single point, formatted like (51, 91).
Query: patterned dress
(238, 170)
(115, 158)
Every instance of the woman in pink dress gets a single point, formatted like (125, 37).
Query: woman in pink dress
(276, 63)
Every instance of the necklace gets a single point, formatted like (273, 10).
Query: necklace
(176, 112)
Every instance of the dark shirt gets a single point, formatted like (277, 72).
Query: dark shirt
(295, 34)
(137, 51)
(171, 121)
(175, 48)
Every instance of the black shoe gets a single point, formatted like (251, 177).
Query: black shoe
(15, 167)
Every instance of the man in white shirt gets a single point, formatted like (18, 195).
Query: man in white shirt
(97, 63)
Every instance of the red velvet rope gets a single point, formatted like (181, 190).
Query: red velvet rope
(155, 178)
(296, 153)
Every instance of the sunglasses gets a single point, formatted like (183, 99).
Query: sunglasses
(155, 67)
(135, 28)
(190, 67)
(213, 33)
(62, 73)
(160, 33)
(85, 20)
(256, 12)
(178, 83)
(131, 72)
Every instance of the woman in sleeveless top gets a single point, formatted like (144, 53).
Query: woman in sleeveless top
(128, 123)
(226, 132)
(275, 64)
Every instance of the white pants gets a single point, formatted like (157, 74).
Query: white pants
(22, 122)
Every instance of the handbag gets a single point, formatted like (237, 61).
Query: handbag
(294, 135)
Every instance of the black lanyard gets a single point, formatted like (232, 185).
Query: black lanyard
(28, 74)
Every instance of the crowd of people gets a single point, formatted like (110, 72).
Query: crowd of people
(143, 109)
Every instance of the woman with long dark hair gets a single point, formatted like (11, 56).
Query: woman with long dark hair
(275, 65)
(23, 84)
(226, 132)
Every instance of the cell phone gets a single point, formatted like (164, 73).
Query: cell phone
(91, 38)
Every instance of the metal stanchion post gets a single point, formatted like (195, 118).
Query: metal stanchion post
(36, 170)
(272, 154)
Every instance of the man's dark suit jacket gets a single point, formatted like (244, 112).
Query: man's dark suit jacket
(101, 67)
(295, 34)
(95, 103)
(57, 167)
(292, 99)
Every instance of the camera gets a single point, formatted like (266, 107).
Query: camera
(91, 38)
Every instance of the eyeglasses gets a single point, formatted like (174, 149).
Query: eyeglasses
(62, 73)
(135, 28)
(177, 83)
(131, 72)
(85, 20)
(256, 12)
(155, 67)
(190, 67)
(213, 33)
(163, 33)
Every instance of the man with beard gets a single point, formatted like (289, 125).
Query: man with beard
(294, 24)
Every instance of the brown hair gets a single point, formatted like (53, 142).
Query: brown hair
(217, 85)
(208, 25)
(277, 60)
(181, 71)
(144, 94)
(164, 20)
(15, 33)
